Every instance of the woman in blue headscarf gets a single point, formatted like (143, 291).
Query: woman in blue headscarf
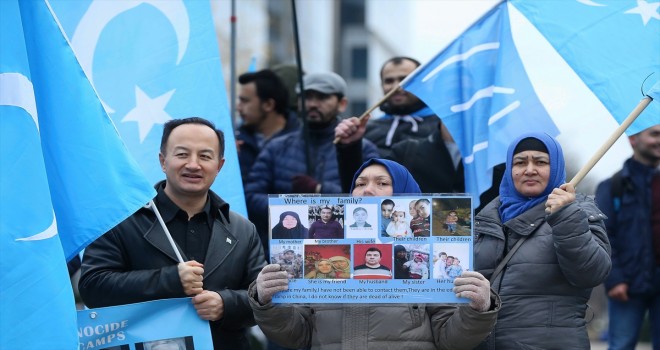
(373, 326)
(547, 282)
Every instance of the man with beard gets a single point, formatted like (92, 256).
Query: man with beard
(410, 134)
(406, 119)
(631, 201)
(406, 116)
(326, 227)
(262, 105)
(282, 166)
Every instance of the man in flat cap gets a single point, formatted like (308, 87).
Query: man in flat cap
(282, 167)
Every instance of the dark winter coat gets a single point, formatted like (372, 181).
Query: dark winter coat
(134, 262)
(249, 149)
(629, 229)
(374, 327)
(426, 122)
(283, 158)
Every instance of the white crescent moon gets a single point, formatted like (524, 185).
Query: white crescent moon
(100, 13)
(17, 90)
(589, 3)
(48, 233)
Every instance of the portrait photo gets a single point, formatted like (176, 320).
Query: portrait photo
(450, 260)
(452, 216)
(361, 220)
(411, 261)
(288, 221)
(183, 343)
(397, 224)
(372, 261)
(289, 257)
(326, 221)
(420, 210)
(327, 261)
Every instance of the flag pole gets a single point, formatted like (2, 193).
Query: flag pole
(380, 102)
(303, 109)
(151, 205)
(232, 66)
(611, 140)
(414, 73)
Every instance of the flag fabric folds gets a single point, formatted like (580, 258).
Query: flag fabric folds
(612, 45)
(479, 88)
(152, 61)
(66, 176)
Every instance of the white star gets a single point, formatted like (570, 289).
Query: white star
(646, 10)
(148, 111)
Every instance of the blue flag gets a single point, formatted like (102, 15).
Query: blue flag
(479, 88)
(654, 93)
(152, 61)
(66, 177)
(612, 45)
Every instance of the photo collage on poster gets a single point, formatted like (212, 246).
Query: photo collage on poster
(342, 249)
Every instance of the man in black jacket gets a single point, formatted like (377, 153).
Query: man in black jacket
(134, 262)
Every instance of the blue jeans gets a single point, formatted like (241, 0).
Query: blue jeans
(626, 321)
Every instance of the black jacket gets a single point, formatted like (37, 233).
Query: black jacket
(629, 229)
(249, 150)
(133, 262)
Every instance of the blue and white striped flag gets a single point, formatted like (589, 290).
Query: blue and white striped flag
(479, 88)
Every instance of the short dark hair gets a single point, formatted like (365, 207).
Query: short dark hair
(373, 249)
(387, 202)
(172, 124)
(397, 60)
(423, 200)
(269, 86)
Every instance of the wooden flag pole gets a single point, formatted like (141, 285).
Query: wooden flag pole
(611, 140)
(380, 102)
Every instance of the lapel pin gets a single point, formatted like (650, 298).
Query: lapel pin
(228, 240)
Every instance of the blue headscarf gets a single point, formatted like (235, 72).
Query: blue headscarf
(402, 180)
(513, 203)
